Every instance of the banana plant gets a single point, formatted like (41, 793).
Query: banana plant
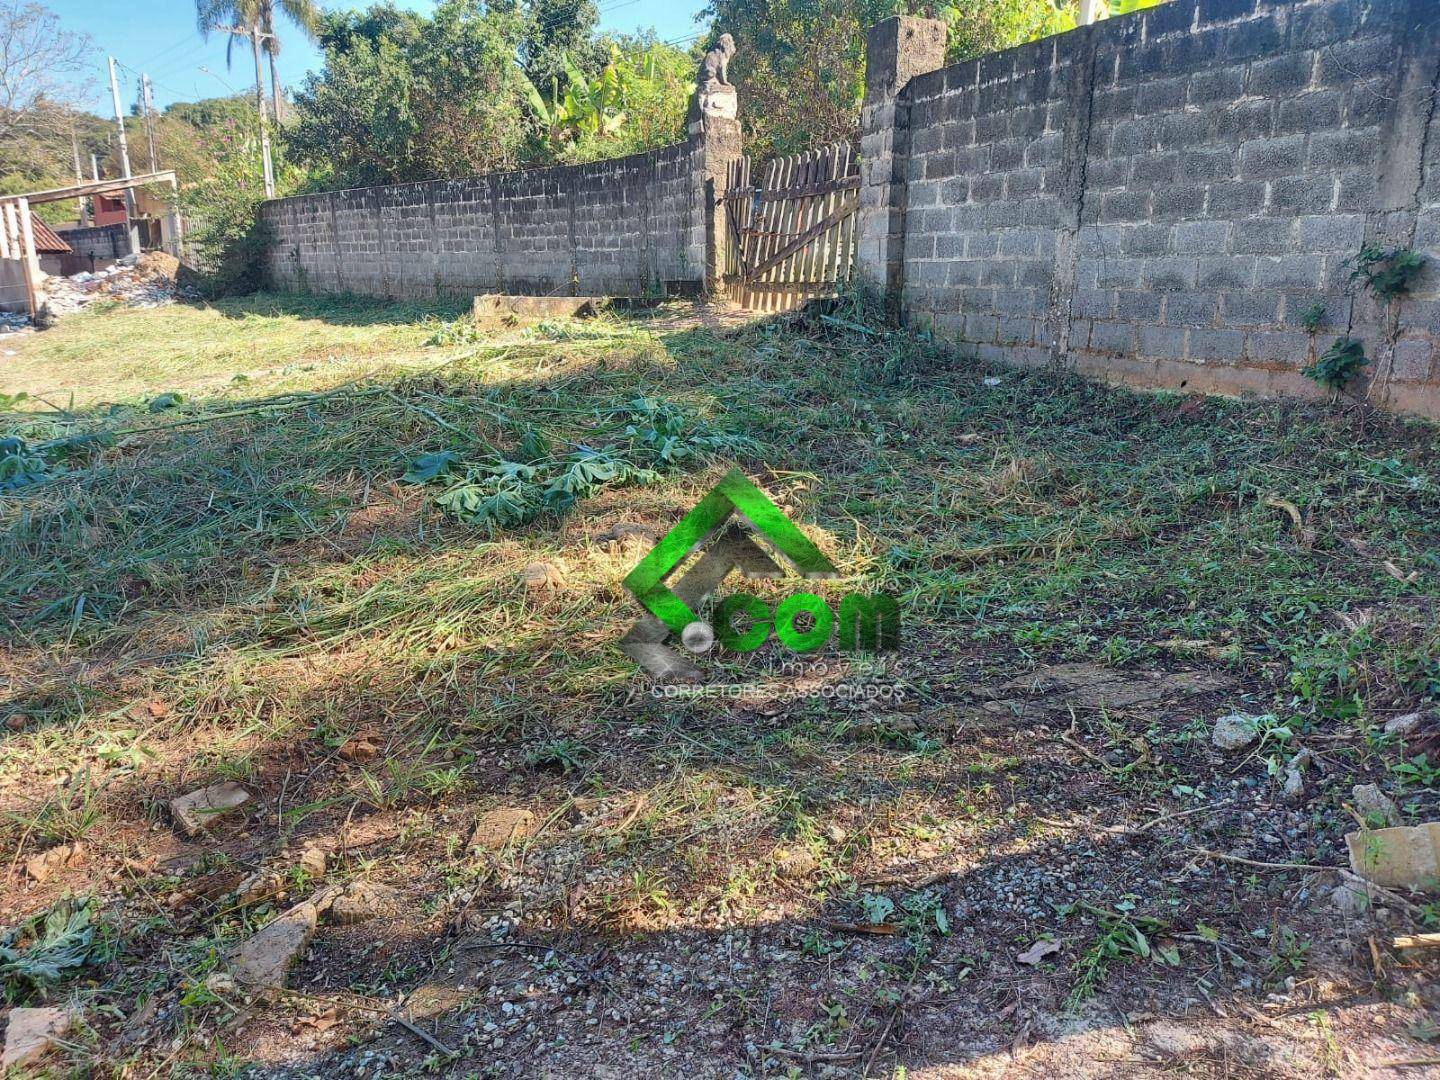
(589, 106)
(1128, 7)
(977, 26)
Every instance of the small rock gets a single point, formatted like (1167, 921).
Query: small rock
(262, 960)
(1293, 789)
(261, 885)
(1038, 952)
(497, 828)
(364, 833)
(1369, 800)
(313, 861)
(360, 749)
(796, 863)
(628, 534)
(361, 901)
(1349, 900)
(1234, 732)
(543, 577)
(1404, 725)
(41, 866)
(31, 1032)
(195, 812)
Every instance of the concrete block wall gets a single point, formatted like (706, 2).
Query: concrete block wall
(626, 226)
(104, 243)
(1158, 199)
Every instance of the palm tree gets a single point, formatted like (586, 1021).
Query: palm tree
(259, 17)
(241, 18)
(305, 14)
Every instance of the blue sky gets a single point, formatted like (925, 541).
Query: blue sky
(159, 37)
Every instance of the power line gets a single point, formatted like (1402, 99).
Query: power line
(168, 49)
(153, 81)
(183, 60)
(558, 18)
(607, 8)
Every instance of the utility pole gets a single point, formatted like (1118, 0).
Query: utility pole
(255, 35)
(1088, 12)
(82, 203)
(147, 103)
(130, 221)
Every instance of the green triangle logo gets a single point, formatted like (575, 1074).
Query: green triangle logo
(733, 495)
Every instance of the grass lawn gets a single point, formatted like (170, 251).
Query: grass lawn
(113, 354)
(291, 543)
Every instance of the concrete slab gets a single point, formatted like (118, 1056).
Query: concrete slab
(507, 306)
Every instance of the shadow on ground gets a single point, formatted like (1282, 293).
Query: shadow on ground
(343, 310)
(1090, 578)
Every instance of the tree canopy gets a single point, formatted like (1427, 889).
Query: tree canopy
(477, 87)
(407, 97)
(41, 67)
(800, 68)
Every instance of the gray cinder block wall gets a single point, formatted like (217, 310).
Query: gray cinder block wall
(100, 242)
(627, 226)
(1157, 199)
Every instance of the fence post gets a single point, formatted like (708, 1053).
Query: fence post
(715, 145)
(896, 51)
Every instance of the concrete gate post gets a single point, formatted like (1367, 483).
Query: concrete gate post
(717, 143)
(896, 51)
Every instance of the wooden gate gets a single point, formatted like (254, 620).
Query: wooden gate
(792, 237)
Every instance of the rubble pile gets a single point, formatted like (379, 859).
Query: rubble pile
(147, 280)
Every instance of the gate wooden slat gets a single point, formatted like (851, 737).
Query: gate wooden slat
(734, 246)
(799, 212)
(832, 239)
(824, 206)
(769, 217)
(786, 208)
(798, 164)
(805, 258)
(784, 169)
(791, 236)
(843, 241)
(789, 166)
(747, 207)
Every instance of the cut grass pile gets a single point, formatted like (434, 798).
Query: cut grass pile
(236, 583)
(1043, 511)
